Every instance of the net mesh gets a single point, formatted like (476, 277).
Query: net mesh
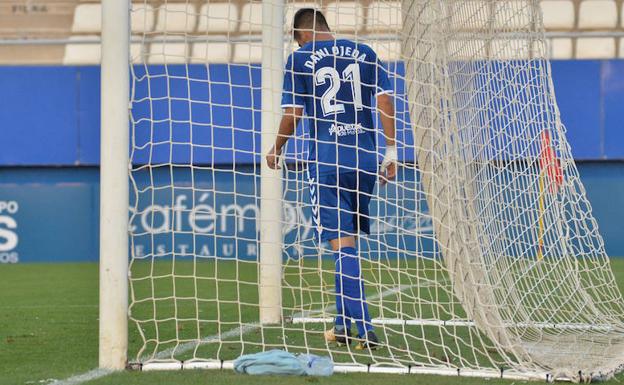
(483, 253)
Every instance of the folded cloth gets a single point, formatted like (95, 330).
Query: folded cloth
(316, 365)
(281, 362)
(270, 362)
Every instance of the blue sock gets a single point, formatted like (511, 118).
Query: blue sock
(343, 318)
(350, 297)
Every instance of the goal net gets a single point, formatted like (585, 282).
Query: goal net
(483, 257)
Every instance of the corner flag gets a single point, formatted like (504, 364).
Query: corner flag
(549, 163)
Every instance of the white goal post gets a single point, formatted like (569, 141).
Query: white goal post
(114, 185)
(483, 257)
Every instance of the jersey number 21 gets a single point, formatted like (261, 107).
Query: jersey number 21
(328, 101)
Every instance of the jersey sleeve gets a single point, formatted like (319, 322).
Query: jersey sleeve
(383, 85)
(294, 86)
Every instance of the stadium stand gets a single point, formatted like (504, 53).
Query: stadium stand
(558, 15)
(223, 18)
(597, 14)
(142, 18)
(595, 48)
(251, 18)
(508, 15)
(211, 52)
(345, 16)
(87, 18)
(247, 52)
(174, 18)
(79, 52)
(71, 28)
(468, 15)
(561, 48)
(386, 50)
(32, 19)
(167, 52)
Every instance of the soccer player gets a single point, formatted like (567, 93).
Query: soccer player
(334, 82)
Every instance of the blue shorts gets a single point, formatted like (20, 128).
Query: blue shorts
(340, 203)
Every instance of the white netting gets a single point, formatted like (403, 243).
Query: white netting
(483, 254)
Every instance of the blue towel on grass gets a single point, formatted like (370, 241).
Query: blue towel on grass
(316, 365)
(281, 362)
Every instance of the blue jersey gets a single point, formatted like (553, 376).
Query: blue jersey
(335, 81)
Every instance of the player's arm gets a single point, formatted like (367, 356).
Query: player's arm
(386, 113)
(289, 121)
(292, 105)
(385, 106)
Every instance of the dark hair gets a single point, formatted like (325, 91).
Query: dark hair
(310, 19)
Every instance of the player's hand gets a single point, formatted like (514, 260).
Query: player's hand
(272, 158)
(387, 171)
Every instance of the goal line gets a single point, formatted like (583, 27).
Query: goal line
(506, 374)
(459, 323)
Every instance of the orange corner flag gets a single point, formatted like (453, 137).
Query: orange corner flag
(549, 163)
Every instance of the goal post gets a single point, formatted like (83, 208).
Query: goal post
(270, 283)
(114, 186)
(483, 258)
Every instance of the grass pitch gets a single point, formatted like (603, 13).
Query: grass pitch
(49, 331)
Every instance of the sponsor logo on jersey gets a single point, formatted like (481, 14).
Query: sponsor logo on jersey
(346, 129)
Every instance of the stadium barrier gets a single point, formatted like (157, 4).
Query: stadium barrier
(49, 213)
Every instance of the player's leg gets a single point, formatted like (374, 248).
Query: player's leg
(325, 211)
(350, 284)
(348, 266)
(338, 204)
(363, 193)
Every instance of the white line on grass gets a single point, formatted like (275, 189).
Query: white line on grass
(46, 306)
(94, 374)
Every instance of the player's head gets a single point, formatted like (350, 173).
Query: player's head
(307, 23)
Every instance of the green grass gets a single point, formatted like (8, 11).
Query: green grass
(49, 321)
(205, 289)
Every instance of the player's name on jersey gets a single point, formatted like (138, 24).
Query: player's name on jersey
(346, 129)
(336, 50)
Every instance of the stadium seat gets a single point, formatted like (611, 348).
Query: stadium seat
(345, 16)
(387, 50)
(560, 48)
(218, 17)
(512, 15)
(384, 16)
(137, 54)
(176, 17)
(168, 52)
(557, 14)
(510, 49)
(595, 48)
(468, 15)
(248, 52)
(142, 18)
(597, 14)
(87, 18)
(211, 52)
(467, 49)
(251, 18)
(81, 53)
